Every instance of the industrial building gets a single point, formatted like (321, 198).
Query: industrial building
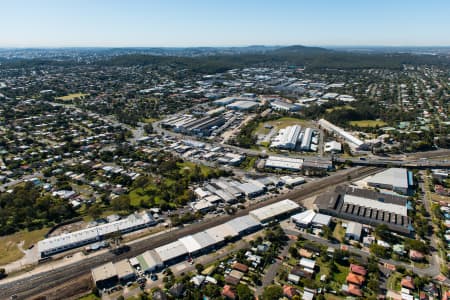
(82, 237)
(125, 271)
(105, 276)
(367, 207)
(199, 243)
(287, 138)
(243, 105)
(354, 142)
(277, 210)
(311, 218)
(282, 162)
(224, 101)
(353, 231)
(172, 252)
(190, 125)
(149, 261)
(399, 180)
(306, 140)
(284, 106)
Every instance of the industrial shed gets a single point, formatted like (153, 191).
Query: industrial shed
(172, 253)
(367, 207)
(220, 232)
(105, 276)
(125, 272)
(270, 212)
(149, 261)
(244, 225)
(82, 237)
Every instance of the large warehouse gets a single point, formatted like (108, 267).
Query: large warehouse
(306, 140)
(277, 210)
(395, 179)
(367, 207)
(82, 237)
(282, 162)
(287, 138)
(354, 142)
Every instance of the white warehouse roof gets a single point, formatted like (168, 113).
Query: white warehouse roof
(244, 223)
(220, 232)
(271, 211)
(396, 177)
(376, 204)
(149, 260)
(284, 162)
(94, 233)
(171, 251)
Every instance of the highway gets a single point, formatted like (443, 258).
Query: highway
(25, 287)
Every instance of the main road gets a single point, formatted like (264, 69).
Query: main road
(27, 286)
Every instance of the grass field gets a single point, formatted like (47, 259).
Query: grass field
(280, 123)
(368, 123)
(329, 110)
(9, 251)
(89, 297)
(72, 96)
(339, 232)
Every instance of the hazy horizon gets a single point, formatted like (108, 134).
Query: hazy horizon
(232, 23)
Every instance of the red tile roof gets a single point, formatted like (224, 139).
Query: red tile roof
(354, 290)
(408, 283)
(416, 255)
(228, 292)
(240, 267)
(358, 269)
(289, 291)
(354, 278)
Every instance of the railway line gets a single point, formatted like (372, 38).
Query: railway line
(27, 287)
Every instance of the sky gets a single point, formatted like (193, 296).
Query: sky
(188, 23)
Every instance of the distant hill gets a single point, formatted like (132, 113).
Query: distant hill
(300, 49)
(209, 60)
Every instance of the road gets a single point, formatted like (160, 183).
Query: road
(31, 285)
(272, 271)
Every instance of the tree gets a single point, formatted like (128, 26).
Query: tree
(244, 292)
(95, 211)
(2, 273)
(148, 128)
(199, 268)
(121, 203)
(272, 292)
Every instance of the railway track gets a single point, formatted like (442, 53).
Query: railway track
(27, 287)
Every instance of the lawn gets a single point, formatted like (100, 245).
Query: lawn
(72, 96)
(9, 251)
(329, 110)
(206, 171)
(368, 123)
(339, 232)
(89, 297)
(341, 274)
(150, 120)
(393, 282)
(280, 123)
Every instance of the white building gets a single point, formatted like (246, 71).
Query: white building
(287, 138)
(282, 162)
(82, 237)
(353, 141)
(272, 211)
